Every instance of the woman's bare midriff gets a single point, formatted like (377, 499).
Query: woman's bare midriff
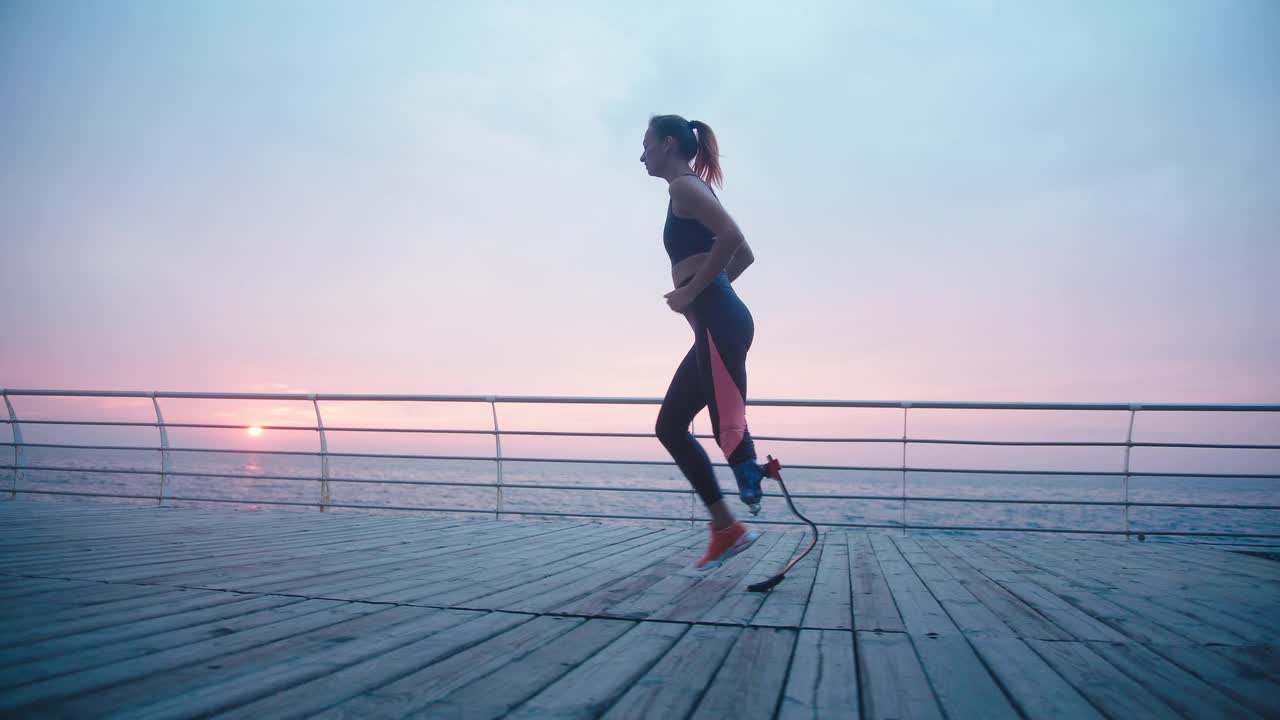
(684, 271)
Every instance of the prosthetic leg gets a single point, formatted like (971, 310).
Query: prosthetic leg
(751, 495)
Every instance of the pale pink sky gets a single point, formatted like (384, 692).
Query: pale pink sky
(970, 200)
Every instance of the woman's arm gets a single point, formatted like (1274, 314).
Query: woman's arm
(695, 199)
(740, 261)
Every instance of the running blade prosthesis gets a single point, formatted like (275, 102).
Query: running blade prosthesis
(774, 470)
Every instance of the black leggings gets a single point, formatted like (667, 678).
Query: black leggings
(713, 374)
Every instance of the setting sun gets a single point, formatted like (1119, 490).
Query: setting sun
(255, 431)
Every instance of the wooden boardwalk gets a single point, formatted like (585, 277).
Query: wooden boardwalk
(150, 612)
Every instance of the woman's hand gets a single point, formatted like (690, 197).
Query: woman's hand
(680, 299)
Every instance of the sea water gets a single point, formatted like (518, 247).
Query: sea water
(255, 480)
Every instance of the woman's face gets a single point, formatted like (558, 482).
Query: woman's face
(654, 155)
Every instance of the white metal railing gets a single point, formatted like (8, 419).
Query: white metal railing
(325, 478)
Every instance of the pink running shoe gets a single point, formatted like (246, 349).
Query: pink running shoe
(725, 544)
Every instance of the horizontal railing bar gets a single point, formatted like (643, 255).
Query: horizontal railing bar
(241, 426)
(1024, 443)
(587, 400)
(643, 489)
(570, 433)
(151, 448)
(895, 526)
(590, 461)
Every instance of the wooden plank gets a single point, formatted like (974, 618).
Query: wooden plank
(873, 607)
(1020, 617)
(48, 532)
(62, 597)
(233, 539)
(587, 690)
(969, 614)
(602, 602)
(784, 604)
(1157, 594)
(961, 685)
(361, 569)
(1264, 659)
(1183, 691)
(180, 568)
(30, 503)
(330, 546)
(380, 687)
(76, 544)
(496, 694)
(1216, 559)
(550, 576)
(823, 681)
(1222, 668)
(1078, 623)
(41, 697)
(392, 642)
(891, 681)
(484, 585)
(166, 543)
(1257, 625)
(1033, 685)
(8, 582)
(430, 561)
(659, 595)
(84, 605)
(921, 614)
(137, 562)
(615, 570)
(750, 681)
(1150, 568)
(545, 593)
(14, 595)
(1141, 621)
(829, 606)
(1106, 687)
(75, 620)
(56, 536)
(593, 572)
(81, 651)
(671, 688)
(438, 577)
(123, 553)
(1165, 592)
(925, 566)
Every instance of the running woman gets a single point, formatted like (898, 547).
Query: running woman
(707, 252)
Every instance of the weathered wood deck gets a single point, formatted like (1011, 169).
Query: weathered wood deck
(177, 612)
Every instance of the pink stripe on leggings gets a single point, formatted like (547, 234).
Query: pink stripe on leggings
(730, 405)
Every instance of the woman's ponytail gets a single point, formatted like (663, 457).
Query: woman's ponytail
(706, 163)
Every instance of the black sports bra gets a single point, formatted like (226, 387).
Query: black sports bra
(685, 237)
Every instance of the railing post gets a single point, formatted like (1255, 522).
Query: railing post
(1128, 445)
(165, 466)
(497, 442)
(905, 406)
(17, 447)
(325, 499)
